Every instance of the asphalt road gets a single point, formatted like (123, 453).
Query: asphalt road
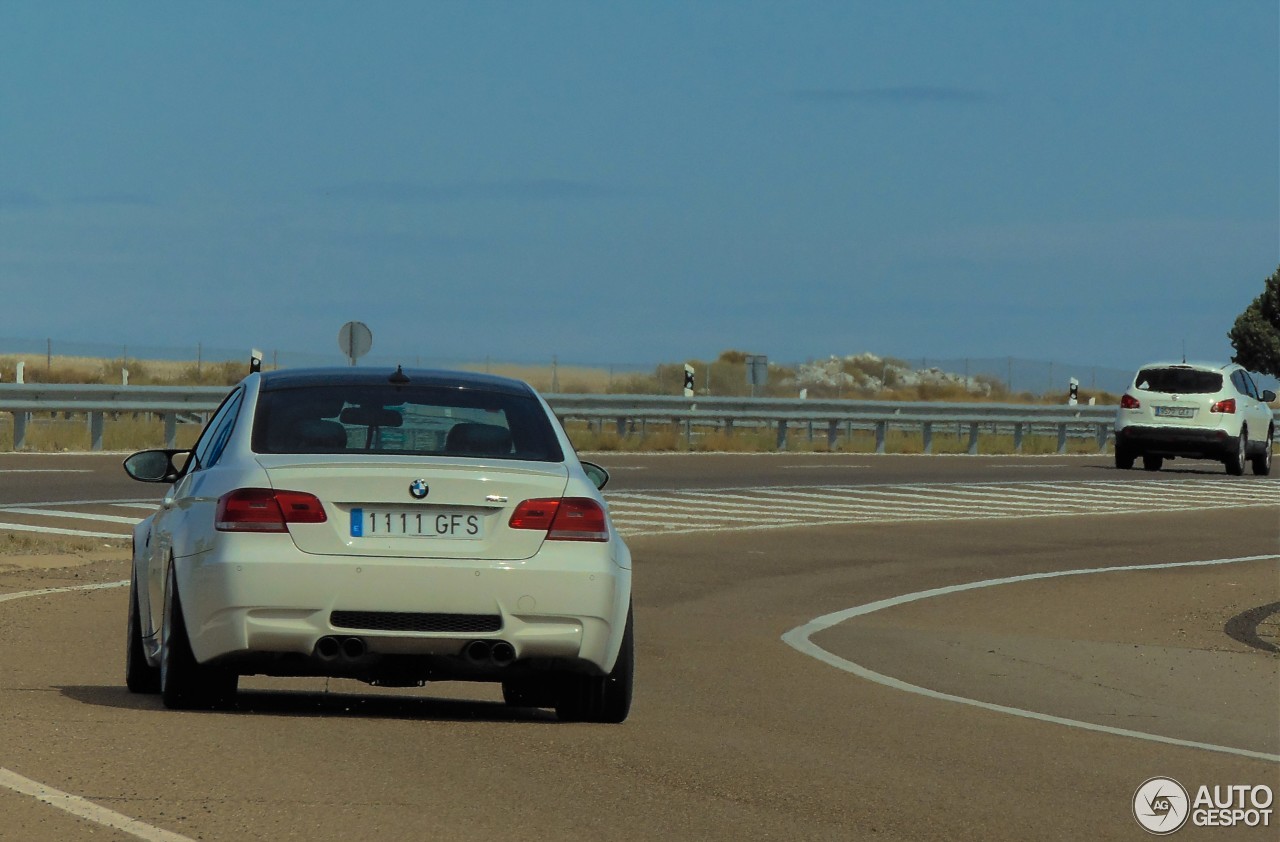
(1092, 683)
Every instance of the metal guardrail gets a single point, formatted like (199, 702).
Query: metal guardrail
(627, 413)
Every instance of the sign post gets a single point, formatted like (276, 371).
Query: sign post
(757, 371)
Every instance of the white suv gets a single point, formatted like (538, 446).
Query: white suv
(1197, 411)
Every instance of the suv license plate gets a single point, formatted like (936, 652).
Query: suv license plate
(1176, 411)
(410, 523)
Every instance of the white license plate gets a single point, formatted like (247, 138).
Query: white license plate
(416, 523)
(1176, 411)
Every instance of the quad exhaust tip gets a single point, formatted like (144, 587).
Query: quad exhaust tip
(499, 653)
(330, 648)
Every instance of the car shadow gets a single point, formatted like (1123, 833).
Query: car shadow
(294, 703)
(1138, 471)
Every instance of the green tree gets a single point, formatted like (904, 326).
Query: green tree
(1256, 333)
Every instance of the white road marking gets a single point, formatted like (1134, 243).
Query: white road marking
(799, 639)
(59, 513)
(53, 530)
(774, 507)
(74, 804)
(85, 809)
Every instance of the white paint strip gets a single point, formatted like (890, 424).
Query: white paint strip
(53, 530)
(46, 503)
(65, 801)
(85, 809)
(799, 639)
(73, 515)
(22, 594)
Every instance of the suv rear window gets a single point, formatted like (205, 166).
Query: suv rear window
(1179, 381)
(420, 421)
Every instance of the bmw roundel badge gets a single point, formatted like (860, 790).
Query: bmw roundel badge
(418, 488)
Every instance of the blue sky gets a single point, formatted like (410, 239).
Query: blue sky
(634, 183)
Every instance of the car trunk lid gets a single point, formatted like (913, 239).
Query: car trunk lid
(416, 507)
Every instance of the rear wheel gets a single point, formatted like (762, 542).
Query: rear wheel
(1124, 457)
(1262, 462)
(139, 676)
(1236, 459)
(184, 683)
(589, 698)
(1152, 462)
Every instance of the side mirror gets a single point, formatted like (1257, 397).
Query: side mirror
(1268, 396)
(596, 474)
(157, 465)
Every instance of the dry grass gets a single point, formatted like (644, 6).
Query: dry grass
(41, 543)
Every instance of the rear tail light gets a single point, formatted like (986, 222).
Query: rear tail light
(564, 519)
(1129, 402)
(1228, 406)
(266, 510)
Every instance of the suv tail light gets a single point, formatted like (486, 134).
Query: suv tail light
(1129, 402)
(564, 519)
(266, 510)
(1228, 406)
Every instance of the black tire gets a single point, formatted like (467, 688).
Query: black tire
(1152, 462)
(1262, 462)
(139, 676)
(607, 698)
(1124, 458)
(184, 683)
(1236, 459)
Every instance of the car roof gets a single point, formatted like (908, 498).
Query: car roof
(291, 378)
(1194, 364)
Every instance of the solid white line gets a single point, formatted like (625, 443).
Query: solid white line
(799, 639)
(53, 530)
(23, 594)
(44, 503)
(74, 804)
(85, 809)
(73, 515)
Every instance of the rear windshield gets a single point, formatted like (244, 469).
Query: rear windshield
(422, 421)
(1180, 381)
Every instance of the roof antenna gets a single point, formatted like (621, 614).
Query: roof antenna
(1184, 351)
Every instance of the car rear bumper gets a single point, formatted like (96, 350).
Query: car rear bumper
(566, 607)
(1177, 441)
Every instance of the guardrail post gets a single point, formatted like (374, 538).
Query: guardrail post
(973, 439)
(728, 427)
(170, 429)
(811, 432)
(688, 431)
(1104, 432)
(1017, 438)
(1062, 438)
(882, 429)
(95, 430)
(782, 435)
(926, 432)
(20, 429)
(833, 433)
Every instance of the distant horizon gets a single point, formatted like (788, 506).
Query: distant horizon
(1028, 375)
